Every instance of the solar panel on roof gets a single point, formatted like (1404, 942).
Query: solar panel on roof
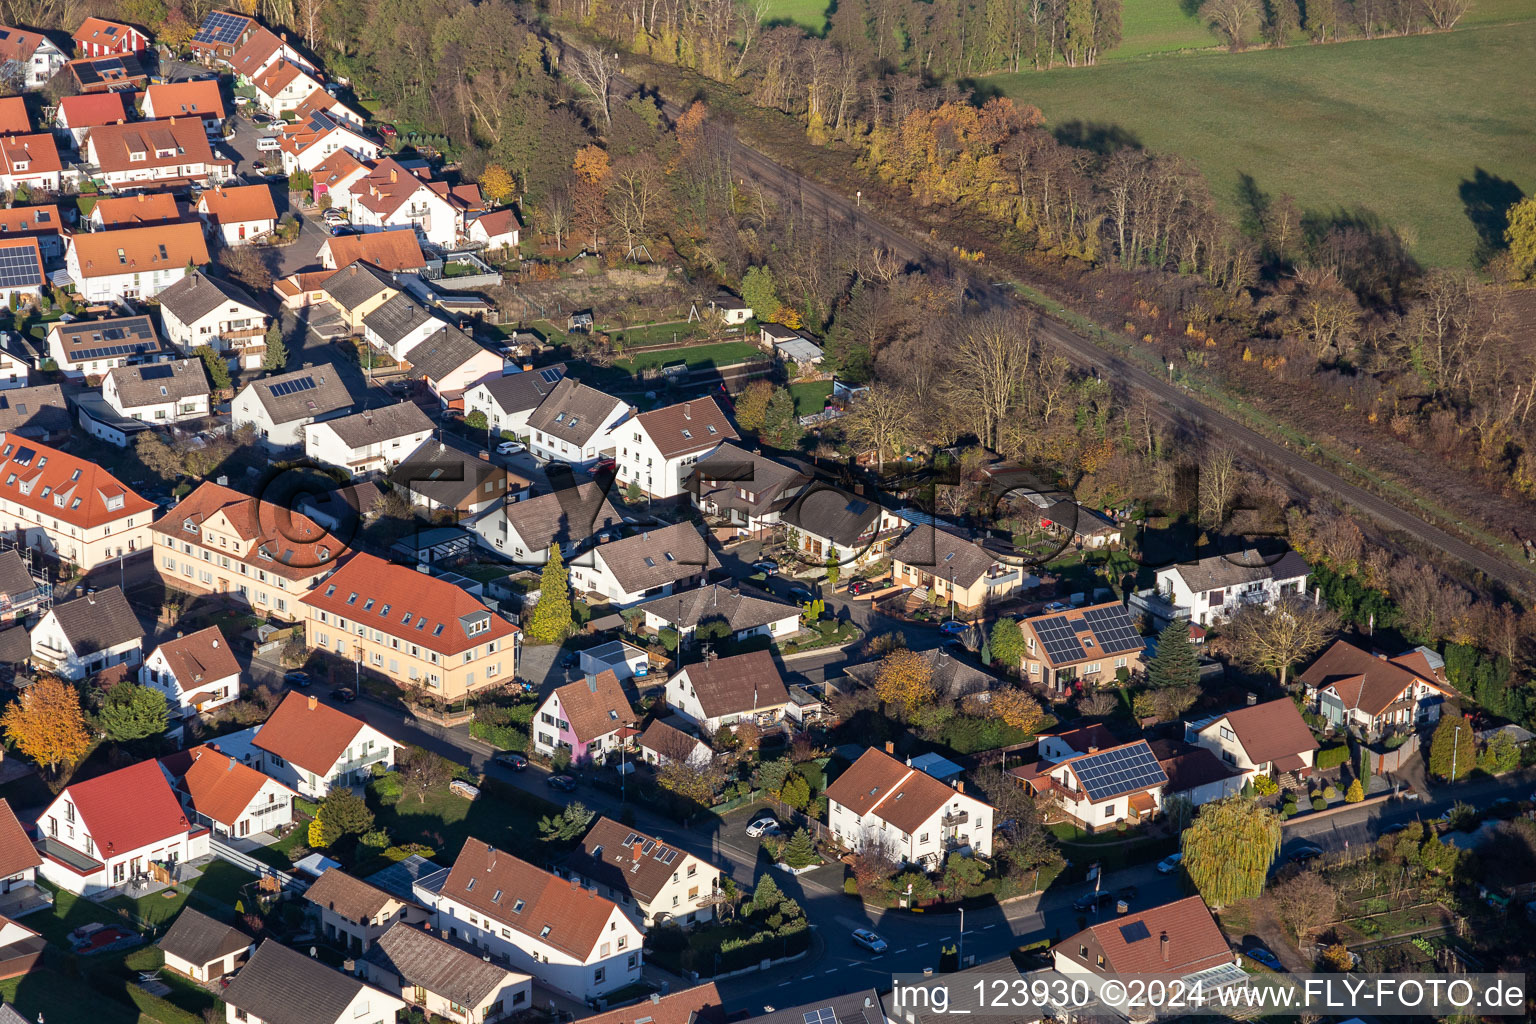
(220, 27)
(19, 267)
(157, 371)
(1122, 770)
(551, 376)
(1113, 629)
(1135, 931)
(825, 1015)
(292, 387)
(1059, 638)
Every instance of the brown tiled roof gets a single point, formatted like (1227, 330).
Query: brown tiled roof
(199, 939)
(82, 336)
(141, 248)
(185, 99)
(310, 734)
(197, 294)
(1086, 737)
(569, 515)
(15, 578)
(283, 986)
(522, 390)
(260, 45)
(1269, 731)
(655, 558)
(200, 657)
(575, 918)
(388, 186)
(498, 222)
(151, 384)
(137, 210)
(422, 960)
(1188, 766)
(299, 548)
(718, 476)
(1195, 943)
(743, 683)
(98, 622)
(352, 898)
(826, 511)
(595, 706)
(239, 204)
(390, 250)
(182, 139)
(669, 741)
(1361, 679)
(944, 554)
(38, 152)
(16, 851)
(573, 402)
(690, 426)
(895, 792)
(13, 110)
(626, 860)
(220, 786)
(76, 490)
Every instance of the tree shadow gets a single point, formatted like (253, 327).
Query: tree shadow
(1103, 139)
(1191, 8)
(1370, 256)
(1253, 205)
(1487, 198)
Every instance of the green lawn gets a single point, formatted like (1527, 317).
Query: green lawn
(1158, 26)
(445, 820)
(1392, 125)
(723, 354)
(810, 397)
(65, 1000)
(810, 13)
(214, 892)
(657, 334)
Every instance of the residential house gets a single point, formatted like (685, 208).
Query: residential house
(24, 276)
(390, 196)
(447, 474)
(1081, 646)
(64, 506)
(343, 509)
(719, 692)
(418, 630)
(1178, 940)
(86, 634)
(1104, 786)
(15, 653)
(202, 948)
(1196, 773)
(444, 980)
(399, 325)
(697, 1005)
(311, 747)
(42, 224)
(220, 35)
(575, 423)
(371, 441)
(283, 986)
(572, 517)
(321, 101)
(953, 569)
(134, 263)
(915, 817)
(124, 73)
(20, 591)
(165, 153)
(450, 360)
(193, 98)
(627, 660)
(657, 450)
(357, 290)
(949, 675)
(334, 175)
(1371, 693)
(1214, 588)
(745, 489)
(497, 230)
(282, 406)
(652, 563)
(508, 400)
(392, 251)
(98, 37)
(588, 719)
(19, 859)
(354, 915)
(1080, 525)
(158, 392)
(77, 115)
(15, 365)
(567, 937)
(31, 161)
(35, 56)
(104, 832)
(651, 881)
(239, 214)
(1260, 739)
(20, 950)
(259, 49)
(283, 86)
(135, 211)
(744, 616)
(82, 348)
(666, 739)
(732, 309)
(228, 795)
(196, 672)
(255, 554)
(202, 310)
(317, 138)
(14, 119)
(827, 522)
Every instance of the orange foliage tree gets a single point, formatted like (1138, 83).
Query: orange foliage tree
(46, 723)
(589, 197)
(905, 681)
(1016, 708)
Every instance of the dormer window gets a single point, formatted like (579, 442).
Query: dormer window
(263, 554)
(114, 502)
(122, 257)
(189, 526)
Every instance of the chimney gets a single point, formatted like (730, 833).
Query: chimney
(959, 785)
(485, 456)
(687, 410)
(575, 885)
(141, 197)
(1162, 944)
(527, 367)
(1093, 748)
(592, 683)
(313, 701)
(1383, 657)
(655, 998)
(393, 175)
(637, 847)
(890, 746)
(231, 765)
(1253, 699)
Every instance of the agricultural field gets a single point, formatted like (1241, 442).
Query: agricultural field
(1399, 128)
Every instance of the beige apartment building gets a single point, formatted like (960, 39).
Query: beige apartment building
(418, 630)
(256, 554)
(66, 507)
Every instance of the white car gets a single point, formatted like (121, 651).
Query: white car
(1169, 864)
(869, 940)
(267, 144)
(763, 827)
(511, 448)
(334, 216)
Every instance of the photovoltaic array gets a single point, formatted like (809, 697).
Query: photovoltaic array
(220, 28)
(292, 387)
(20, 267)
(1122, 770)
(1113, 629)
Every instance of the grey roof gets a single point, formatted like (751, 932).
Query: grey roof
(944, 554)
(372, 426)
(197, 938)
(442, 352)
(396, 318)
(14, 577)
(38, 411)
(8, 1015)
(655, 558)
(424, 960)
(1080, 519)
(740, 611)
(572, 402)
(860, 1007)
(356, 283)
(197, 294)
(96, 622)
(155, 383)
(569, 515)
(826, 511)
(1216, 571)
(398, 878)
(15, 646)
(520, 392)
(745, 682)
(326, 396)
(444, 471)
(283, 986)
(733, 478)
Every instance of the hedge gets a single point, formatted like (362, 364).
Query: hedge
(1332, 757)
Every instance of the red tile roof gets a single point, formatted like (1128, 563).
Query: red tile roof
(697, 1005)
(367, 589)
(1361, 679)
(13, 116)
(97, 251)
(128, 808)
(277, 77)
(1269, 731)
(387, 187)
(64, 486)
(37, 152)
(93, 109)
(1195, 943)
(137, 210)
(16, 851)
(220, 786)
(20, 44)
(262, 44)
(388, 250)
(595, 706)
(182, 140)
(234, 205)
(687, 427)
(904, 796)
(31, 220)
(295, 542)
(1086, 737)
(106, 33)
(310, 734)
(184, 99)
(200, 657)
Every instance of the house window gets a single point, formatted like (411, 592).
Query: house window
(597, 976)
(1109, 810)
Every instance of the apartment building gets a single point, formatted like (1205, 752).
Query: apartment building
(371, 441)
(66, 507)
(657, 450)
(651, 881)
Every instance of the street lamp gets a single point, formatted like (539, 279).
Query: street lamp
(962, 937)
(1455, 742)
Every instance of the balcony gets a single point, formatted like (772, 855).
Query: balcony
(359, 763)
(955, 818)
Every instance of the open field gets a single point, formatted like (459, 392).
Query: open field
(810, 13)
(1150, 27)
(1395, 126)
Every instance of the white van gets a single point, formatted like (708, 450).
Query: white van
(267, 144)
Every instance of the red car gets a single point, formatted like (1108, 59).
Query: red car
(388, 131)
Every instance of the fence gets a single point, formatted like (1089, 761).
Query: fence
(225, 852)
(1384, 761)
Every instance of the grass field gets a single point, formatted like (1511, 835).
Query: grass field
(1158, 26)
(811, 396)
(810, 13)
(1391, 125)
(720, 354)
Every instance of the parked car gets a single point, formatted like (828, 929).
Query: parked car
(869, 940)
(334, 216)
(400, 387)
(1306, 854)
(296, 678)
(464, 789)
(1090, 901)
(799, 593)
(557, 466)
(564, 783)
(268, 144)
(953, 628)
(344, 694)
(764, 826)
(387, 130)
(1260, 955)
(337, 230)
(511, 448)
(858, 587)
(1169, 864)
(1057, 606)
(767, 566)
(605, 465)
(517, 762)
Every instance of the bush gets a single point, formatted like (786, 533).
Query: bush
(1289, 810)
(1355, 794)
(850, 886)
(1332, 757)
(1330, 793)
(1265, 786)
(1318, 803)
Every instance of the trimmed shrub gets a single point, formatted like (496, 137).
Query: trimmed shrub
(1318, 803)
(1332, 757)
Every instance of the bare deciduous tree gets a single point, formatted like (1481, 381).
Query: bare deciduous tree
(1276, 639)
(1219, 481)
(594, 69)
(1305, 903)
(1235, 19)
(989, 368)
(881, 419)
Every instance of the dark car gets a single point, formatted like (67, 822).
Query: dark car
(858, 587)
(1260, 955)
(799, 593)
(517, 762)
(564, 783)
(296, 678)
(345, 694)
(1093, 901)
(401, 387)
(1306, 855)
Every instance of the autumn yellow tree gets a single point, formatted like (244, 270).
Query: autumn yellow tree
(689, 129)
(1016, 708)
(905, 681)
(497, 185)
(46, 723)
(589, 197)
